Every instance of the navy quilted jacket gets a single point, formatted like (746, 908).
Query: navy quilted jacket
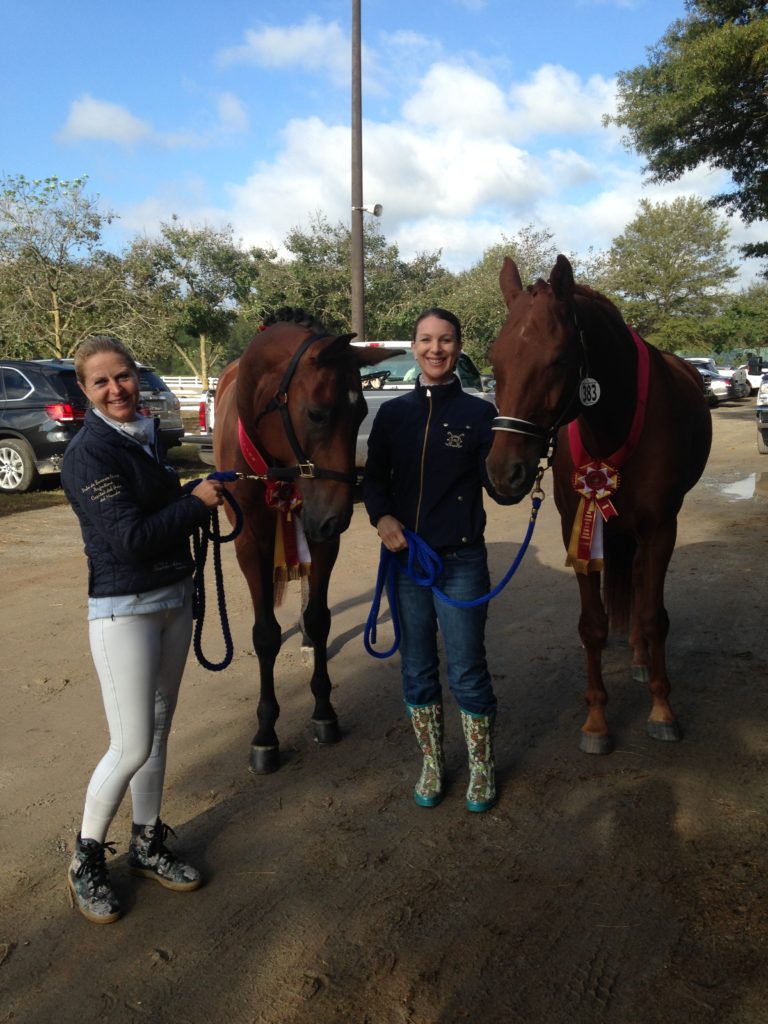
(426, 464)
(135, 518)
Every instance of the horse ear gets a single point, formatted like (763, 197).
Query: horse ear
(334, 350)
(509, 280)
(561, 279)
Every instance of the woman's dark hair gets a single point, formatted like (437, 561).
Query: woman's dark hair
(441, 314)
(101, 343)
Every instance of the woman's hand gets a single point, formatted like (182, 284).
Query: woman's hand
(391, 532)
(209, 492)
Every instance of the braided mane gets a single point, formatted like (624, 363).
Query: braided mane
(295, 315)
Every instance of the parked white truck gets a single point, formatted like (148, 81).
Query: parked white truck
(380, 383)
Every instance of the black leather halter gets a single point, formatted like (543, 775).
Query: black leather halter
(304, 469)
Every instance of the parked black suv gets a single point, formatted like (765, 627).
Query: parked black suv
(41, 410)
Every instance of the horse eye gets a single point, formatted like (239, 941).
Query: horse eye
(320, 417)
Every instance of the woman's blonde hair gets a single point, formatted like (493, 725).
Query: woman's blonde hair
(101, 343)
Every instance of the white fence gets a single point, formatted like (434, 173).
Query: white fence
(189, 390)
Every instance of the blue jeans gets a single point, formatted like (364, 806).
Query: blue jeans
(465, 576)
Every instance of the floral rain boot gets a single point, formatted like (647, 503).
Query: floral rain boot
(149, 856)
(88, 880)
(427, 722)
(478, 732)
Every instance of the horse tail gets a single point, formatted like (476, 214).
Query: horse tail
(617, 580)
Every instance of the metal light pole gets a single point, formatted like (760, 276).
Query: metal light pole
(356, 224)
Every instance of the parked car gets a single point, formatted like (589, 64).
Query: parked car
(736, 384)
(158, 400)
(761, 412)
(41, 410)
(715, 387)
(155, 399)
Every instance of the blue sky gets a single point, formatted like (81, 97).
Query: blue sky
(480, 116)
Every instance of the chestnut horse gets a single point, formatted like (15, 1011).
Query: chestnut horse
(628, 432)
(294, 401)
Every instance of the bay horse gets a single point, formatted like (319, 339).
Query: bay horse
(627, 431)
(287, 414)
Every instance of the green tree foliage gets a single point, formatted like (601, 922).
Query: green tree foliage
(317, 278)
(668, 272)
(56, 282)
(743, 325)
(189, 284)
(701, 99)
(475, 296)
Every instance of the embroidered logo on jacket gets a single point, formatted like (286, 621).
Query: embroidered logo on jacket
(454, 440)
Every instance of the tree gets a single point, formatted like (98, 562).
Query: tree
(318, 274)
(744, 322)
(668, 272)
(701, 98)
(189, 284)
(475, 296)
(55, 279)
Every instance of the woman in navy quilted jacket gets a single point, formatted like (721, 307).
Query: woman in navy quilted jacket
(426, 472)
(136, 522)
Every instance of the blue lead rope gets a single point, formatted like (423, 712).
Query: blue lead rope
(200, 541)
(424, 567)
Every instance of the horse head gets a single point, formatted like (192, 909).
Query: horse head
(537, 362)
(300, 401)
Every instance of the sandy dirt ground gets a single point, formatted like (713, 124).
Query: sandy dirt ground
(628, 889)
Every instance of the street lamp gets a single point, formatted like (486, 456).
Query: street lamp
(377, 209)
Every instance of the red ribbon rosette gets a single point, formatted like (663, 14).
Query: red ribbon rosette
(595, 482)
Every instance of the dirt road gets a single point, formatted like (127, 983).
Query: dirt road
(629, 889)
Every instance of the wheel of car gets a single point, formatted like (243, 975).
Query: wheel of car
(762, 442)
(17, 466)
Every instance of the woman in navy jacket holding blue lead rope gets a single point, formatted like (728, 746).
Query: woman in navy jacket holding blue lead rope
(425, 472)
(136, 522)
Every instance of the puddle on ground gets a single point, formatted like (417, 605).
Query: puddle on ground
(754, 485)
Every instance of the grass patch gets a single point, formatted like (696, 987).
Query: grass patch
(48, 492)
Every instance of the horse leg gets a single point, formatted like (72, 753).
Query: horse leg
(653, 626)
(593, 630)
(267, 636)
(641, 657)
(316, 625)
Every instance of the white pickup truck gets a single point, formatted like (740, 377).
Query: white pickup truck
(380, 383)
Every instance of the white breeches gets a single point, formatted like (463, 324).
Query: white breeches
(140, 661)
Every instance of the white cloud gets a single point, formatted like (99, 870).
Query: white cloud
(553, 100)
(314, 46)
(556, 100)
(466, 164)
(233, 118)
(90, 118)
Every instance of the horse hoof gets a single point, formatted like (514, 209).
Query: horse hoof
(264, 760)
(591, 743)
(641, 673)
(326, 732)
(667, 732)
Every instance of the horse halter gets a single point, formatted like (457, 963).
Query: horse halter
(304, 469)
(548, 436)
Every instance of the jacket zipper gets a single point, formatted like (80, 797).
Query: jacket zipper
(423, 459)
